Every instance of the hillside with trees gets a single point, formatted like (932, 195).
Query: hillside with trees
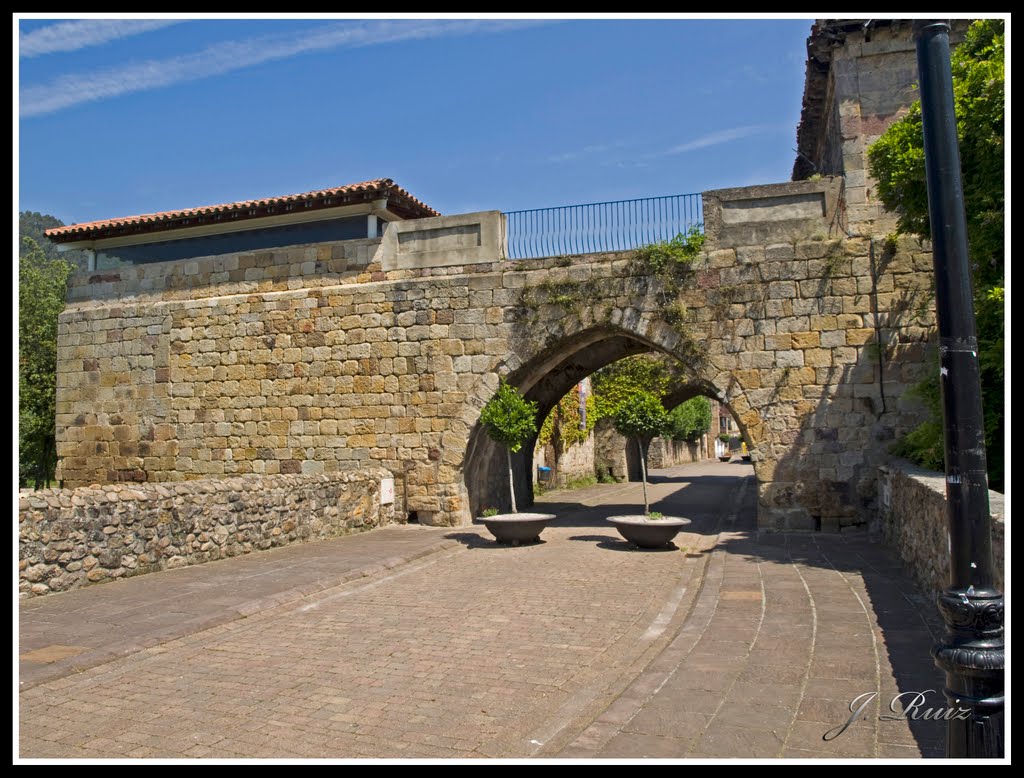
(43, 273)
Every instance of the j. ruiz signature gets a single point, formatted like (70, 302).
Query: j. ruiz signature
(906, 705)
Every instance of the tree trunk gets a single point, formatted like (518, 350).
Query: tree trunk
(643, 474)
(42, 466)
(511, 480)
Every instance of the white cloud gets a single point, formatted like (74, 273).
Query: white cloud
(711, 139)
(73, 89)
(722, 136)
(600, 148)
(71, 36)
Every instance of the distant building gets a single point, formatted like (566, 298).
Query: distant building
(346, 212)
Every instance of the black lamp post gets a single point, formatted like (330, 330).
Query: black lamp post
(972, 653)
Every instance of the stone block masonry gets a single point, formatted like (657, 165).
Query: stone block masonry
(73, 537)
(860, 79)
(665, 452)
(314, 360)
(913, 522)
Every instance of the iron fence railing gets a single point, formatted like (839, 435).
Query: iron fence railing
(619, 225)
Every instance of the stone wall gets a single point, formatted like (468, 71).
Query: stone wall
(313, 360)
(576, 462)
(861, 77)
(573, 464)
(670, 453)
(73, 537)
(142, 350)
(912, 520)
(609, 452)
(619, 458)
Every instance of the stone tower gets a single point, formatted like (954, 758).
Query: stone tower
(861, 77)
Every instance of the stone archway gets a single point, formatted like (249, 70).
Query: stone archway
(560, 364)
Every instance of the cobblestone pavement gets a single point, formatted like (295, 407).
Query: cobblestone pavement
(726, 645)
(788, 630)
(77, 630)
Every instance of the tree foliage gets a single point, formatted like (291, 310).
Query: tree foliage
(642, 417)
(42, 285)
(34, 225)
(896, 161)
(510, 419)
(690, 420)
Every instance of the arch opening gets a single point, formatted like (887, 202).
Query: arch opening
(545, 379)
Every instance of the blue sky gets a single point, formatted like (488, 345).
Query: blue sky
(135, 116)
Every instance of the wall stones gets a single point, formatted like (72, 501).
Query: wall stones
(912, 520)
(317, 361)
(71, 537)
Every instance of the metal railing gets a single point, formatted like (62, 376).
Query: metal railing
(619, 225)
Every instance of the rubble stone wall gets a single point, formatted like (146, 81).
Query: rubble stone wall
(73, 537)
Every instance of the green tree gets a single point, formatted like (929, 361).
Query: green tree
(510, 421)
(34, 225)
(896, 161)
(642, 417)
(42, 285)
(690, 420)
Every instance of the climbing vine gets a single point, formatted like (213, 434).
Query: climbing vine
(571, 295)
(672, 262)
(563, 424)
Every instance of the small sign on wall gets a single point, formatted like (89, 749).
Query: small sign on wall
(387, 491)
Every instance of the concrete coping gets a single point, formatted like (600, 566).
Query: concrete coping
(772, 213)
(936, 482)
(443, 241)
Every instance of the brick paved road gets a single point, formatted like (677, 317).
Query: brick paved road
(787, 631)
(574, 647)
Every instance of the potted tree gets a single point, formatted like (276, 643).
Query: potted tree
(510, 421)
(642, 418)
(722, 447)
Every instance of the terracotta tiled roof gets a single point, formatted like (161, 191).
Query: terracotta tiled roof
(400, 202)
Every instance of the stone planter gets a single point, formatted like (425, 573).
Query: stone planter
(515, 528)
(722, 451)
(648, 533)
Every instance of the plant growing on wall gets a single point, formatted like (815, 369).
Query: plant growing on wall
(673, 263)
(618, 382)
(896, 161)
(673, 260)
(510, 420)
(564, 426)
(642, 418)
